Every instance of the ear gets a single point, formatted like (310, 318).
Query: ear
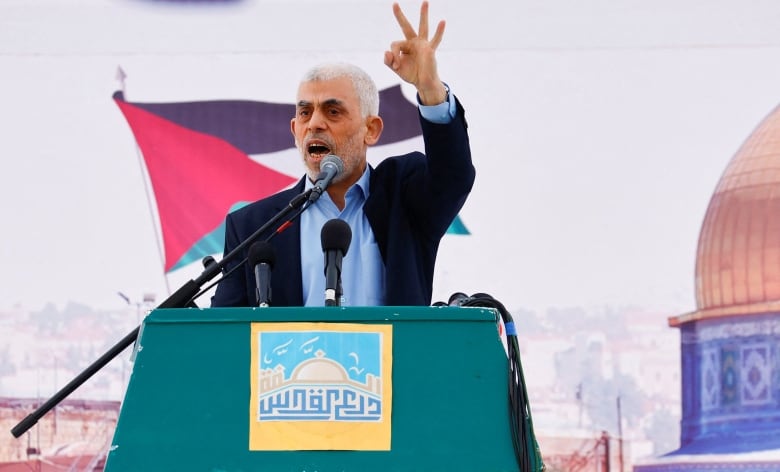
(292, 127)
(374, 126)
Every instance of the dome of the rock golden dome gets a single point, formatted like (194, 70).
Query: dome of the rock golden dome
(738, 257)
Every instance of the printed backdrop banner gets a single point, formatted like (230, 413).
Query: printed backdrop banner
(197, 155)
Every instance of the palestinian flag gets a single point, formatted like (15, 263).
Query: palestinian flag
(205, 158)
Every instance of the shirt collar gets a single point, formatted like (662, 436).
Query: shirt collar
(362, 184)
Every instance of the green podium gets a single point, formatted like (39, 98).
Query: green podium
(192, 401)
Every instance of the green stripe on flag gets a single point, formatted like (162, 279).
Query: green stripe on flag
(457, 227)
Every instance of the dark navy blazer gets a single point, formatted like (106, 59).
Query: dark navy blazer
(413, 199)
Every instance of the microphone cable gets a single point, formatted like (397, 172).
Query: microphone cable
(526, 447)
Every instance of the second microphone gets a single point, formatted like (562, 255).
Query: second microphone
(336, 235)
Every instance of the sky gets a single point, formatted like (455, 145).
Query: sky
(599, 131)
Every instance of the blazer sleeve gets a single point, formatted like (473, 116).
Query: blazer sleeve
(436, 191)
(231, 290)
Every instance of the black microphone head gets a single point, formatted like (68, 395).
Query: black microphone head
(262, 252)
(336, 235)
(332, 160)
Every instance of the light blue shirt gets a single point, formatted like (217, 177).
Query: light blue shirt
(362, 269)
(442, 113)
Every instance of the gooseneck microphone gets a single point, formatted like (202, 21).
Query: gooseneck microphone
(262, 257)
(335, 236)
(330, 167)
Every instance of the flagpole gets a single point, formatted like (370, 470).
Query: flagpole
(121, 76)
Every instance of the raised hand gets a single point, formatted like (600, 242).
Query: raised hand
(414, 58)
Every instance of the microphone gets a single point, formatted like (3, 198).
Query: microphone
(262, 257)
(335, 237)
(330, 167)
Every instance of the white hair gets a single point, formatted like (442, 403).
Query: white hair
(362, 82)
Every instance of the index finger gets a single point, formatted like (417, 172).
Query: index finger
(406, 27)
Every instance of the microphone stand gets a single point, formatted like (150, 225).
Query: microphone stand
(182, 298)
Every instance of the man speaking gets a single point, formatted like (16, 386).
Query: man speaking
(397, 212)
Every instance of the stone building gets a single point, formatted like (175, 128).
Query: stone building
(75, 435)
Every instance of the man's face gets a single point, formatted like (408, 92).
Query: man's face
(328, 121)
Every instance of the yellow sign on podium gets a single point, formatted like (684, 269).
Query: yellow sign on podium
(320, 386)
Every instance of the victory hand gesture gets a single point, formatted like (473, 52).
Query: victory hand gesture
(414, 58)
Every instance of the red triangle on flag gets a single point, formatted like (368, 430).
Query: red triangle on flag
(196, 178)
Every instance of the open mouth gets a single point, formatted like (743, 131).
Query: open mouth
(318, 150)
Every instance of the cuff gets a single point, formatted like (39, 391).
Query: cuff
(442, 113)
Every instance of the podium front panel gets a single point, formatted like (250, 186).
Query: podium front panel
(187, 403)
